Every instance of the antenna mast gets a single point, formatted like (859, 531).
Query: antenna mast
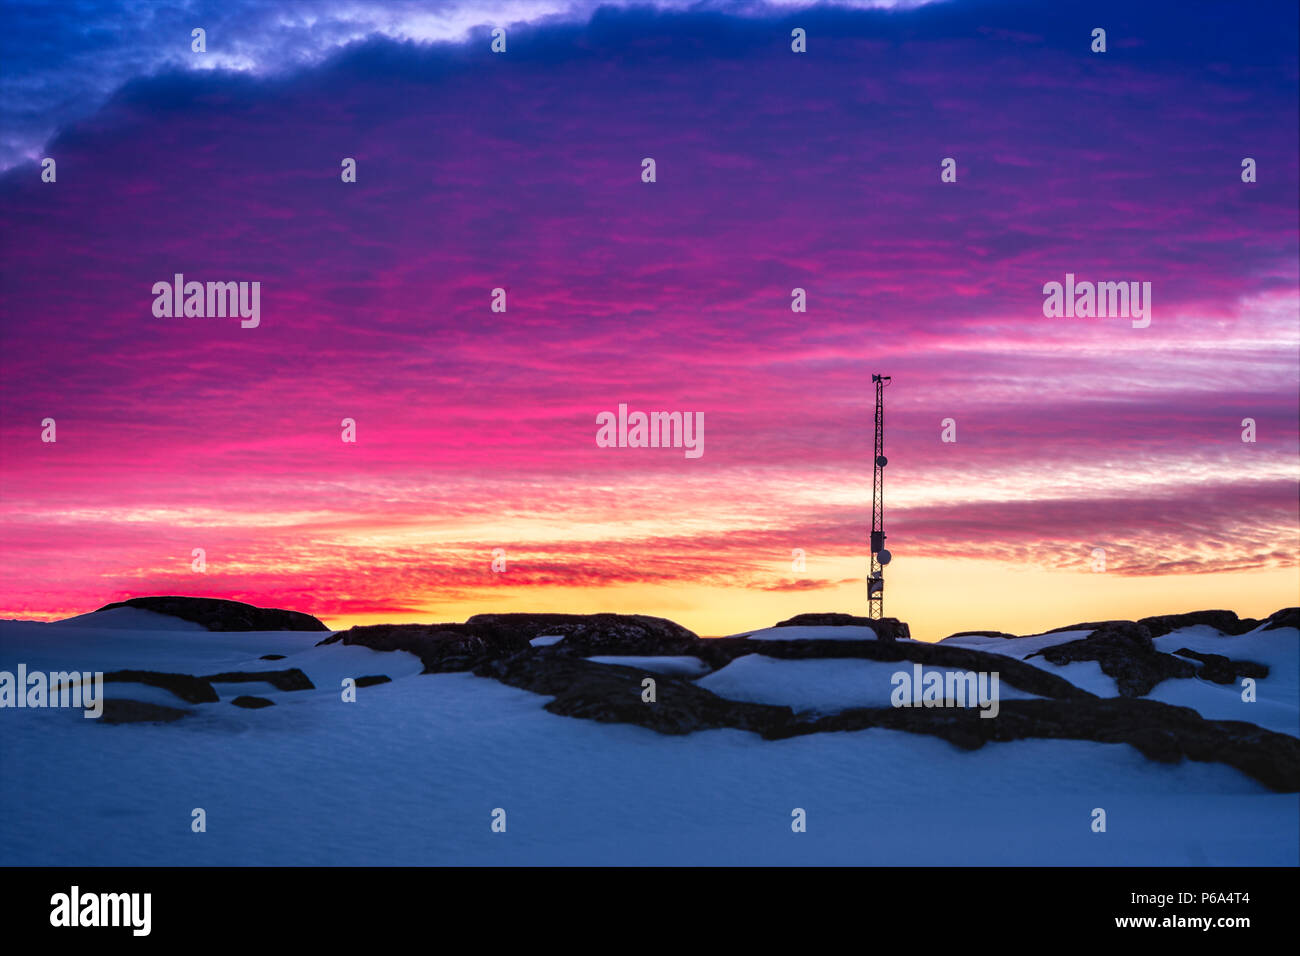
(879, 556)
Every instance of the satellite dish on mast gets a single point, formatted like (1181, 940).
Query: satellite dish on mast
(884, 557)
(882, 461)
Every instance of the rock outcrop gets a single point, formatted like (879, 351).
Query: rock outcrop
(139, 712)
(613, 694)
(1225, 621)
(1125, 652)
(440, 647)
(1221, 669)
(589, 634)
(252, 703)
(1287, 617)
(193, 690)
(887, 628)
(217, 614)
(1160, 731)
(486, 637)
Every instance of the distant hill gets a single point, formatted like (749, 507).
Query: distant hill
(217, 614)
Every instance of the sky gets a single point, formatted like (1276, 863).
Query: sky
(774, 170)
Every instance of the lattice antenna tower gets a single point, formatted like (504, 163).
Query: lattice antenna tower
(879, 555)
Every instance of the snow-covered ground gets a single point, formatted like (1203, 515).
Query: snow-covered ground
(1017, 647)
(821, 685)
(411, 772)
(1277, 703)
(189, 649)
(131, 619)
(677, 666)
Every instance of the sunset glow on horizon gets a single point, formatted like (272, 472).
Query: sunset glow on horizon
(476, 430)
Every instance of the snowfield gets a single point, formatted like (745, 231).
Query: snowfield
(821, 686)
(411, 771)
(1277, 706)
(680, 666)
(1019, 647)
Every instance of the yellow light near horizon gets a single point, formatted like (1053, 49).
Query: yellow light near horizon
(936, 597)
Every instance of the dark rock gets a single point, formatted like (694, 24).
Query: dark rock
(827, 619)
(887, 628)
(271, 657)
(1160, 731)
(1287, 617)
(291, 679)
(717, 652)
(1225, 621)
(1125, 652)
(441, 647)
(217, 614)
(1162, 624)
(486, 637)
(588, 634)
(1157, 626)
(611, 693)
(1156, 743)
(1086, 626)
(373, 679)
(252, 703)
(194, 690)
(1222, 670)
(139, 712)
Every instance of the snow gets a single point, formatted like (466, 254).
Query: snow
(131, 619)
(1277, 703)
(1017, 647)
(409, 775)
(327, 666)
(821, 685)
(684, 666)
(183, 651)
(546, 640)
(56, 647)
(1086, 675)
(127, 690)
